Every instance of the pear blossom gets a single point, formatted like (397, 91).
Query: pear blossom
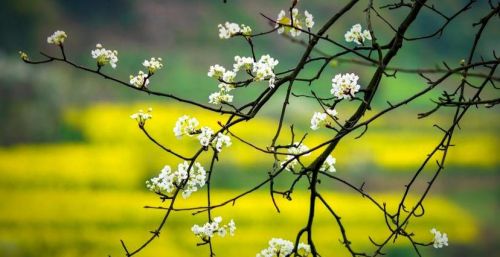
(320, 118)
(104, 56)
(220, 97)
(205, 136)
(440, 239)
(264, 69)
(209, 229)
(140, 80)
(221, 140)
(57, 38)
(279, 247)
(296, 149)
(142, 116)
(230, 29)
(216, 71)
(246, 30)
(245, 62)
(225, 87)
(328, 164)
(303, 250)
(153, 64)
(228, 76)
(356, 35)
(186, 178)
(332, 112)
(344, 86)
(283, 21)
(185, 125)
(309, 19)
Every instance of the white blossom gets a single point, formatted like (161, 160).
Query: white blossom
(309, 19)
(356, 35)
(140, 80)
(153, 64)
(245, 62)
(246, 30)
(209, 229)
(232, 227)
(282, 19)
(318, 119)
(220, 97)
(280, 248)
(303, 250)
(225, 87)
(440, 239)
(142, 116)
(104, 56)
(205, 136)
(230, 29)
(221, 140)
(228, 76)
(57, 38)
(216, 71)
(296, 149)
(344, 86)
(197, 178)
(167, 181)
(185, 125)
(331, 112)
(264, 69)
(328, 164)
(283, 23)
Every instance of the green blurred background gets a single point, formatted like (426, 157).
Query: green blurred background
(73, 164)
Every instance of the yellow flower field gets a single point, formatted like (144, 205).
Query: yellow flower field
(81, 198)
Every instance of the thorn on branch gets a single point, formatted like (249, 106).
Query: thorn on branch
(156, 233)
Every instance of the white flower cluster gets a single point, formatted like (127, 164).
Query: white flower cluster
(216, 71)
(309, 21)
(356, 35)
(142, 116)
(169, 180)
(344, 86)
(153, 64)
(328, 165)
(230, 29)
(296, 149)
(294, 25)
(221, 140)
(245, 62)
(140, 80)
(185, 125)
(104, 56)
(205, 136)
(57, 38)
(260, 70)
(209, 229)
(264, 69)
(218, 142)
(280, 248)
(222, 96)
(320, 118)
(440, 239)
